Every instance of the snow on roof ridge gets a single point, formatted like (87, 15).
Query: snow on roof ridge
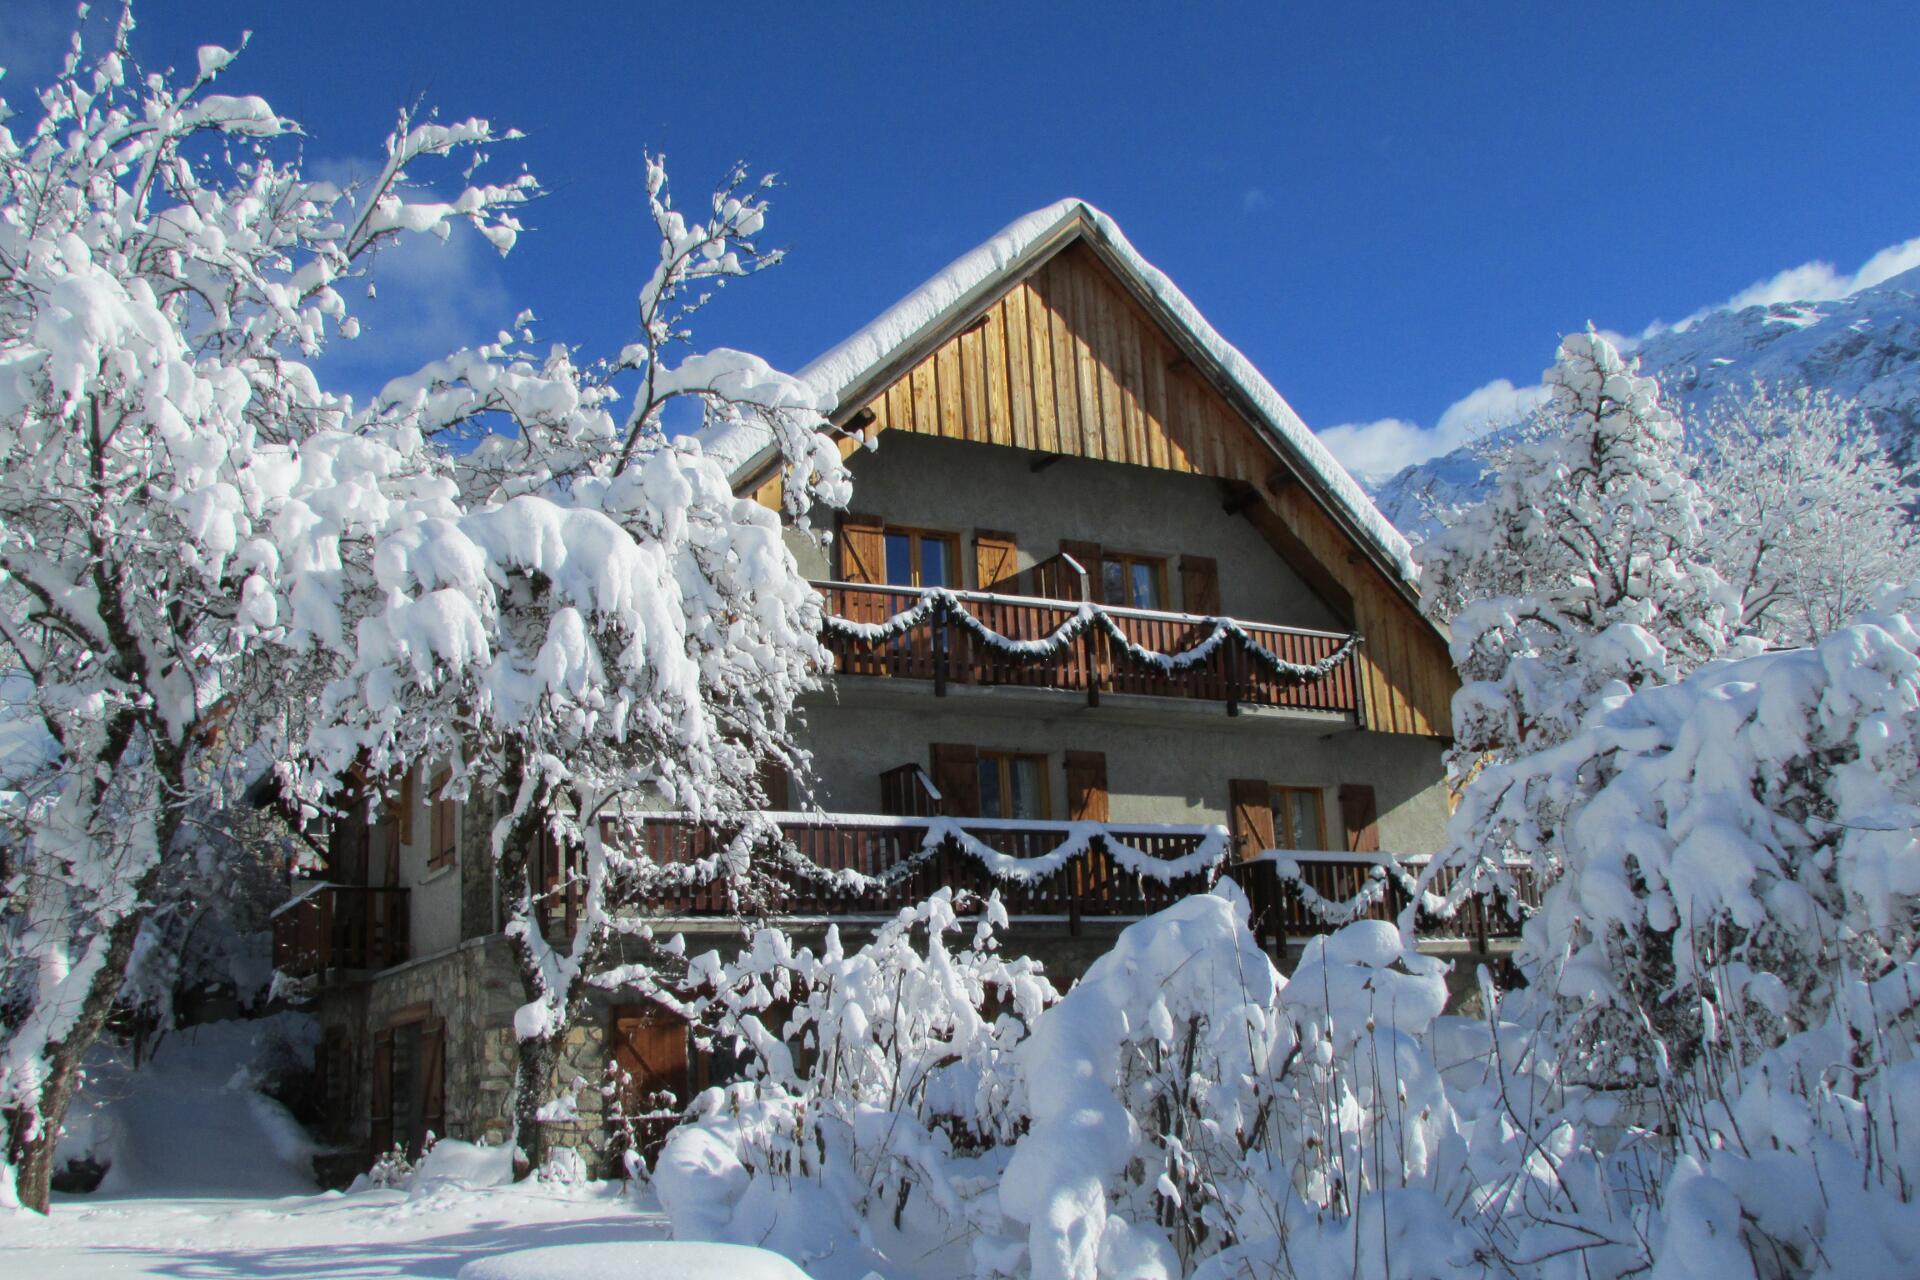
(841, 368)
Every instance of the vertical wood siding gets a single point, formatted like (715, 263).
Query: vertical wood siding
(1067, 362)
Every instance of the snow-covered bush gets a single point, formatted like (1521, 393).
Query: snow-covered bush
(882, 1085)
(1182, 1110)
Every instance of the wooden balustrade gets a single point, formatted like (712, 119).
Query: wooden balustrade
(944, 652)
(336, 927)
(1090, 885)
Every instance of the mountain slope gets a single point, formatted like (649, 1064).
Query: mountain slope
(1866, 346)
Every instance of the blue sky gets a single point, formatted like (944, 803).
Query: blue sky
(1387, 206)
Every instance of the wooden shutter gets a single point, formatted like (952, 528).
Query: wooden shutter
(1087, 786)
(407, 802)
(1250, 814)
(956, 772)
(1359, 815)
(863, 549)
(1088, 554)
(995, 557)
(773, 781)
(347, 847)
(1200, 585)
(433, 1078)
(444, 828)
(380, 1130)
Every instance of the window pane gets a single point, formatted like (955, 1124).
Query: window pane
(936, 567)
(899, 560)
(1146, 587)
(1306, 828)
(1024, 773)
(1113, 581)
(991, 803)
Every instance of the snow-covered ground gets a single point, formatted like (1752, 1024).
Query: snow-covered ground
(327, 1237)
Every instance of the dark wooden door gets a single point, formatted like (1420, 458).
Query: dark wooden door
(649, 1044)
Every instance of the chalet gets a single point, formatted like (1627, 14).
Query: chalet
(1102, 593)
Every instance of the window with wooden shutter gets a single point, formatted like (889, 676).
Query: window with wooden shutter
(1013, 784)
(920, 557)
(1298, 821)
(1200, 585)
(1360, 816)
(995, 561)
(1133, 581)
(1250, 815)
(1087, 786)
(380, 1128)
(863, 549)
(1088, 554)
(956, 773)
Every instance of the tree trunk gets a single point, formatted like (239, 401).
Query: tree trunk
(30, 1146)
(519, 884)
(532, 1083)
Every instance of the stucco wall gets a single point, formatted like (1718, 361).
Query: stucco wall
(1161, 767)
(958, 486)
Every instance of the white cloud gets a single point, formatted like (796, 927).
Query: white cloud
(1816, 281)
(1373, 451)
(432, 298)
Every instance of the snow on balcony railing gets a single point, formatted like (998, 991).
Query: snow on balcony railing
(864, 863)
(982, 638)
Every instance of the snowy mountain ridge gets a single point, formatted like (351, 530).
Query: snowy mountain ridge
(1865, 346)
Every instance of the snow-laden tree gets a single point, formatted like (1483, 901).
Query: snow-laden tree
(1585, 572)
(165, 279)
(1810, 516)
(1586, 566)
(602, 627)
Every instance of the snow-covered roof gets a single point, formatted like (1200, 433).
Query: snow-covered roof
(979, 274)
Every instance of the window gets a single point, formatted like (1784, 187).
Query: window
(1135, 582)
(921, 558)
(1297, 822)
(1013, 786)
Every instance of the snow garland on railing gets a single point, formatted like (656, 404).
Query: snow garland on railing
(1079, 838)
(1382, 869)
(1076, 841)
(940, 603)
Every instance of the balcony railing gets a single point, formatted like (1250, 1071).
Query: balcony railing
(972, 638)
(336, 927)
(1107, 871)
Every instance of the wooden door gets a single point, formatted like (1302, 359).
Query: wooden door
(649, 1043)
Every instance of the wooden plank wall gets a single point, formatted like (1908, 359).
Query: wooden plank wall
(1067, 362)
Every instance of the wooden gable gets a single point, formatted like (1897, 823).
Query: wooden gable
(1066, 360)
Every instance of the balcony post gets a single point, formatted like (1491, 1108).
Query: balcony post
(1233, 674)
(939, 648)
(1089, 641)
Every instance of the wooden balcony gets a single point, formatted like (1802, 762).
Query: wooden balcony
(1091, 884)
(943, 650)
(336, 928)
